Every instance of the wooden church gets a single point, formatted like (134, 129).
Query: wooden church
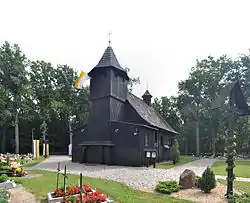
(121, 128)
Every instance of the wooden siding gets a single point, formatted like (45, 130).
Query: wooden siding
(117, 112)
(127, 149)
(78, 137)
(99, 120)
(118, 86)
(100, 84)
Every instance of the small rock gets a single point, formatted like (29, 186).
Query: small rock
(187, 179)
(8, 185)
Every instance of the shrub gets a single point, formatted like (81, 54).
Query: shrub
(4, 168)
(207, 182)
(168, 187)
(174, 152)
(239, 198)
(3, 178)
(3, 197)
(197, 181)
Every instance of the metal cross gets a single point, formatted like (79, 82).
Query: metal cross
(109, 38)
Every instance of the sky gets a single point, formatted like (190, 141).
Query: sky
(158, 40)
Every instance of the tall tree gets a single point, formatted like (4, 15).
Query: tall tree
(13, 76)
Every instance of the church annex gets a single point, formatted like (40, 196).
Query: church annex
(121, 127)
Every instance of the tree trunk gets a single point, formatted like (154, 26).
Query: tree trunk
(213, 144)
(17, 133)
(197, 137)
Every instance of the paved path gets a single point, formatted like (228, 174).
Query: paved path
(20, 195)
(236, 179)
(135, 177)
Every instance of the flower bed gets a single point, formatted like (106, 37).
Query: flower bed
(72, 195)
(10, 164)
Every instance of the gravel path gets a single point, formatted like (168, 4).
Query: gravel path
(135, 177)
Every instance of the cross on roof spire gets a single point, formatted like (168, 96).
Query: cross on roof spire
(109, 38)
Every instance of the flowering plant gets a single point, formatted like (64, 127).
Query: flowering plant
(89, 195)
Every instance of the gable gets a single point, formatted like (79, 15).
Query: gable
(149, 114)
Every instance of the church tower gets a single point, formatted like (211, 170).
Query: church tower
(108, 93)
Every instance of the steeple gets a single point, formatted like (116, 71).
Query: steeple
(147, 97)
(109, 60)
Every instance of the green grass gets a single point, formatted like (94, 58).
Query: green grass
(117, 191)
(240, 185)
(183, 160)
(34, 162)
(242, 168)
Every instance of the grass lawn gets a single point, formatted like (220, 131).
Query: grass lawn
(240, 185)
(242, 168)
(117, 191)
(183, 160)
(34, 162)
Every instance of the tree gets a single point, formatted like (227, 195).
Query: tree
(175, 153)
(13, 77)
(133, 81)
(207, 182)
(168, 109)
(42, 80)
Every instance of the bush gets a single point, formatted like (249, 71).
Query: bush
(4, 168)
(207, 182)
(197, 181)
(239, 198)
(3, 197)
(3, 178)
(174, 152)
(168, 187)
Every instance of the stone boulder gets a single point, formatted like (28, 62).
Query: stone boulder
(187, 179)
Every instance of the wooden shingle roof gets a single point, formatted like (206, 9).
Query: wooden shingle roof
(149, 114)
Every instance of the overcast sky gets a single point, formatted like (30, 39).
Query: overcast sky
(158, 40)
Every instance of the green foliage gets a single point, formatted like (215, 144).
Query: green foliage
(168, 187)
(207, 182)
(3, 197)
(175, 153)
(3, 178)
(4, 168)
(198, 181)
(244, 198)
(72, 198)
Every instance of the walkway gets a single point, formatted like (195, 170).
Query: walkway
(135, 177)
(236, 179)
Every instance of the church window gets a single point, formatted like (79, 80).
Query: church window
(162, 143)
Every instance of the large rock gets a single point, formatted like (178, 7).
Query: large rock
(187, 179)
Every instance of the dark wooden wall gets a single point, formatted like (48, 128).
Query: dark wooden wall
(78, 137)
(127, 149)
(118, 86)
(100, 84)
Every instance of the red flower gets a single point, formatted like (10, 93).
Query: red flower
(58, 192)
